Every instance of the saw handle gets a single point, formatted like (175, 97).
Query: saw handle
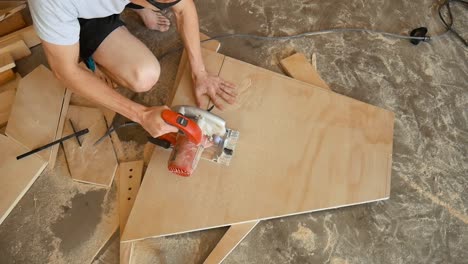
(185, 125)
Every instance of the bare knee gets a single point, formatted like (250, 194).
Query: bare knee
(145, 77)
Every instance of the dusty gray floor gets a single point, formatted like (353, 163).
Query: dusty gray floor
(426, 218)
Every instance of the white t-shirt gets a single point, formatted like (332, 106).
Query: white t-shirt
(56, 21)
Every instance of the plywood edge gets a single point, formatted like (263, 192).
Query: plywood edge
(59, 131)
(126, 252)
(130, 174)
(27, 34)
(231, 239)
(126, 237)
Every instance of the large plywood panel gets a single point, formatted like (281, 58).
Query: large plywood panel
(35, 114)
(300, 150)
(16, 176)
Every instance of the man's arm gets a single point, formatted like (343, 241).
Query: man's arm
(63, 60)
(205, 84)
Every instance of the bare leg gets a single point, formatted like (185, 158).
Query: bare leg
(153, 20)
(128, 61)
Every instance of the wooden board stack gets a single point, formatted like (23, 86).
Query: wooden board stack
(339, 154)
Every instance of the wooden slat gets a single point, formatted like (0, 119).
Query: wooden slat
(299, 68)
(130, 180)
(6, 77)
(95, 164)
(235, 234)
(35, 115)
(336, 153)
(11, 24)
(6, 102)
(16, 47)
(16, 176)
(6, 62)
(27, 34)
(59, 132)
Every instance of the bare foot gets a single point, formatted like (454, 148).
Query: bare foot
(153, 20)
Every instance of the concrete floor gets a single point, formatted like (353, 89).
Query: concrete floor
(424, 221)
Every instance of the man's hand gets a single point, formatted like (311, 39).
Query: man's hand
(215, 88)
(153, 123)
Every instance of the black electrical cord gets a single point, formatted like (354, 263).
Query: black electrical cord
(449, 24)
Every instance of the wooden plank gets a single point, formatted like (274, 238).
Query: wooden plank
(11, 85)
(338, 156)
(130, 180)
(299, 68)
(235, 234)
(35, 115)
(16, 175)
(11, 24)
(6, 62)
(16, 47)
(9, 8)
(6, 77)
(95, 164)
(61, 124)
(6, 102)
(27, 34)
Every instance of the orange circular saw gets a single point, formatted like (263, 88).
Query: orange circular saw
(198, 130)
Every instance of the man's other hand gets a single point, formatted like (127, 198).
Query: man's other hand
(215, 88)
(153, 123)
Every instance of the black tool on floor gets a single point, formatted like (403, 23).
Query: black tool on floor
(77, 134)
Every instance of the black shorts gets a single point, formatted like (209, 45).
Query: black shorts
(94, 31)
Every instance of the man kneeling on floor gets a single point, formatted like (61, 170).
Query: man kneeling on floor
(92, 30)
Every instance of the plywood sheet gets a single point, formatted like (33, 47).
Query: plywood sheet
(95, 164)
(16, 176)
(6, 101)
(300, 150)
(16, 47)
(6, 62)
(35, 114)
(299, 68)
(235, 234)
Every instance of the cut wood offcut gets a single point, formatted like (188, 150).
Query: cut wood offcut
(35, 115)
(95, 164)
(338, 154)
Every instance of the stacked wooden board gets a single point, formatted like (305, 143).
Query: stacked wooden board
(301, 150)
